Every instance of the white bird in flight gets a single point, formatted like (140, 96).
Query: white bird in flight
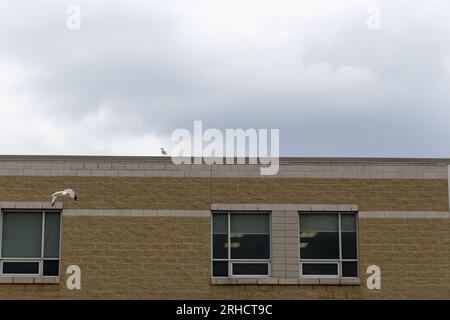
(67, 192)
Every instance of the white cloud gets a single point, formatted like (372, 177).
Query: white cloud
(137, 71)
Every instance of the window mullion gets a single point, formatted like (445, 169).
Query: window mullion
(340, 246)
(1, 238)
(1, 233)
(230, 268)
(357, 243)
(41, 263)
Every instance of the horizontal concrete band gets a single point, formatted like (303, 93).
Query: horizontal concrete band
(224, 206)
(297, 207)
(29, 279)
(284, 281)
(5, 205)
(404, 214)
(167, 169)
(136, 213)
(206, 213)
(330, 208)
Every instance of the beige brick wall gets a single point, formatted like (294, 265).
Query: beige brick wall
(169, 257)
(414, 255)
(200, 193)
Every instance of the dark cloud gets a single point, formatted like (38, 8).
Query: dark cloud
(137, 71)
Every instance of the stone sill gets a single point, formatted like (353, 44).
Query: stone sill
(28, 280)
(286, 281)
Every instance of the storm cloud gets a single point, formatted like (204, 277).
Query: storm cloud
(137, 70)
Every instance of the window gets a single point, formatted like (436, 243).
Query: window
(29, 243)
(241, 244)
(328, 245)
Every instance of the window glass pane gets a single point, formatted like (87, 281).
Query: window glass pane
(250, 223)
(51, 242)
(220, 246)
(320, 245)
(250, 269)
(220, 268)
(20, 267)
(51, 267)
(349, 269)
(319, 236)
(348, 222)
(21, 236)
(220, 223)
(250, 246)
(319, 222)
(349, 246)
(319, 269)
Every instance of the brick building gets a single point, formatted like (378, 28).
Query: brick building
(146, 228)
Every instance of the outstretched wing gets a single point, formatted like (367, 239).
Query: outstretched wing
(54, 197)
(71, 194)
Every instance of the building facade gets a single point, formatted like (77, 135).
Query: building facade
(144, 228)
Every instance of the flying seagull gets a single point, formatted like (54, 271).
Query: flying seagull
(67, 192)
(164, 152)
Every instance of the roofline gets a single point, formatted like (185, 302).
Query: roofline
(168, 158)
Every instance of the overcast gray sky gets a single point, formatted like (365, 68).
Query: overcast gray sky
(137, 70)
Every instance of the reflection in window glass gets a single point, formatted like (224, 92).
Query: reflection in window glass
(220, 246)
(51, 267)
(249, 239)
(328, 237)
(319, 236)
(220, 235)
(250, 223)
(320, 269)
(20, 267)
(22, 235)
(348, 233)
(30, 242)
(250, 246)
(220, 223)
(220, 268)
(250, 268)
(349, 269)
(51, 241)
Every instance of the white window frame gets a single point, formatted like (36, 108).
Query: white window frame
(331, 261)
(40, 260)
(237, 261)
